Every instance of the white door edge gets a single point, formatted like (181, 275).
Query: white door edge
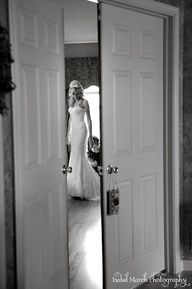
(16, 95)
(172, 216)
(2, 216)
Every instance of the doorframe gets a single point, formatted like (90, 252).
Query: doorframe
(16, 104)
(170, 16)
(2, 214)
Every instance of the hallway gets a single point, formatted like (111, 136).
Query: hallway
(85, 251)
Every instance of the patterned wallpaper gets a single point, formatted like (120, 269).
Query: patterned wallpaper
(83, 69)
(186, 196)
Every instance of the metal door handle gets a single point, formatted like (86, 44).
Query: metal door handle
(66, 170)
(111, 169)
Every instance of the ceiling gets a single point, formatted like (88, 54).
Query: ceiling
(80, 21)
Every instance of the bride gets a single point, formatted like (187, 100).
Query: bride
(83, 182)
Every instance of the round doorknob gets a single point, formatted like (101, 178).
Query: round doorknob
(111, 169)
(69, 170)
(66, 170)
(115, 170)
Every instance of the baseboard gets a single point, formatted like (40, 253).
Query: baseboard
(187, 265)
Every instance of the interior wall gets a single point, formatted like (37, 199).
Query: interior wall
(81, 50)
(83, 69)
(81, 19)
(186, 196)
(7, 138)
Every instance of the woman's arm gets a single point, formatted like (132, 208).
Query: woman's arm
(68, 140)
(71, 100)
(89, 122)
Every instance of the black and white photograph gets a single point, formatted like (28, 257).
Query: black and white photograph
(95, 144)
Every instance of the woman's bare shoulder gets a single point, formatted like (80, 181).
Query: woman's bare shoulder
(71, 102)
(85, 103)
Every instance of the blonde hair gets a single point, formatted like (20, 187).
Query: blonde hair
(76, 84)
(79, 88)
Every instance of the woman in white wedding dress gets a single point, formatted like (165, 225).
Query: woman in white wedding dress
(83, 182)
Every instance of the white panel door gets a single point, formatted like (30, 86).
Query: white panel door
(132, 109)
(39, 146)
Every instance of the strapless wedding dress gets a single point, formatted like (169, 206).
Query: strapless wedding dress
(83, 181)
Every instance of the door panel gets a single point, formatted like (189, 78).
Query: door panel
(39, 146)
(132, 109)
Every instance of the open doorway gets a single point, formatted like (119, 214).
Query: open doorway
(39, 148)
(84, 213)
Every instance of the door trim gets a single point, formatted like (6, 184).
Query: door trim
(2, 215)
(170, 15)
(17, 101)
